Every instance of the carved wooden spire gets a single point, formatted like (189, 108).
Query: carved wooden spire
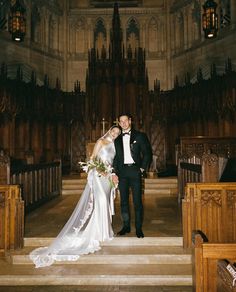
(116, 35)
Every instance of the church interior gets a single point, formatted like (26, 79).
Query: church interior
(68, 68)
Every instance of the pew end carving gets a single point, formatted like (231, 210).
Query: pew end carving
(11, 218)
(4, 168)
(211, 208)
(205, 256)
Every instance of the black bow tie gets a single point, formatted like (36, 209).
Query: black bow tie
(126, 133)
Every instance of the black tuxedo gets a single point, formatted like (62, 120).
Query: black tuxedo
(130, 175)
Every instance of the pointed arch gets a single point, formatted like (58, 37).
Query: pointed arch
(196, 20)
(179, 35)
(80, 35)
(132, 34)
(100, 35)
(156, 35)
(53, 33)
(77, 35)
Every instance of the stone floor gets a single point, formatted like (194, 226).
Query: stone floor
(94, 289)
(162, 218)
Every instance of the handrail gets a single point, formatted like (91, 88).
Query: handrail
(32, 167)
(191, 167)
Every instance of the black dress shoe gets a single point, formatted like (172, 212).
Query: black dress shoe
(123, 231)
(139, 234)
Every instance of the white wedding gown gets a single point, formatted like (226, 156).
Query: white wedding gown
(90, 222)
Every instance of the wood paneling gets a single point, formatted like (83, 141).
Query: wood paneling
(211, 208)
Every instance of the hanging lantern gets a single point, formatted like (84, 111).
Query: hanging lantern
(210, 19)
(17, 22)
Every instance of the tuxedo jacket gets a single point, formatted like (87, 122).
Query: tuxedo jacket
(140, 151)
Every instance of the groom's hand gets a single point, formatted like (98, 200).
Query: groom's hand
(143, 172)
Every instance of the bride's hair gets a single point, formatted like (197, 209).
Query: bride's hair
(108, 132)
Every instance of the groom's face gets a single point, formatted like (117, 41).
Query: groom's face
(125, 122)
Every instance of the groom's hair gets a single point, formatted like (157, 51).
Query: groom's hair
(125, 114)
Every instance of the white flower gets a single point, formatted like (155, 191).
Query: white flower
(103, 168)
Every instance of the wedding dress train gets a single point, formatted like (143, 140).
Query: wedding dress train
(90, 222)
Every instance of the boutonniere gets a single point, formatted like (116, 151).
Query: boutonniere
(132, 144)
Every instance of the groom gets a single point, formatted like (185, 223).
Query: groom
(133, 156)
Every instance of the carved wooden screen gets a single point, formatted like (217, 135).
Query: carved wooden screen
(158, 143)
(78, 148)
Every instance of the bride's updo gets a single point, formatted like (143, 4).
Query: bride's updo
(112, 133)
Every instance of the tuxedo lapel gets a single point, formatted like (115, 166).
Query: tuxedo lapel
(120, 145)
(132, 136)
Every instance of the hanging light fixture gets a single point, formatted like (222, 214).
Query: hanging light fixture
(17, 22)
(210, 19)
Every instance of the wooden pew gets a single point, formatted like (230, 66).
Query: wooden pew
(226, 276)
(11, 218)
(202, 159)
(205, 257)
(38, 182)
(211, 208)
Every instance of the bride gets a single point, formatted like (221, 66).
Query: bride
(91, 220)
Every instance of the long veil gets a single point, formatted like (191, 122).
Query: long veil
(65, 246)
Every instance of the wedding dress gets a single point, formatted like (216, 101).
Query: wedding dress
(90, 222)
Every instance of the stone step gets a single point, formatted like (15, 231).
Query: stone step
(115, 275)
(73, 186)
(133, 255)
(152, 259)
(117, 241)
(160, 192)
(71, 192)
(152, 186)
(172, 180)
(153, 192)
(160, 186)
(165, 180)
(74, 181)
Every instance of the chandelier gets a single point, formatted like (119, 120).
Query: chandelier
(17, 22)
(210, 19)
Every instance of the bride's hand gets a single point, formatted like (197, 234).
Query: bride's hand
(115, 179)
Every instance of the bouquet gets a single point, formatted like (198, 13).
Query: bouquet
(102, 168)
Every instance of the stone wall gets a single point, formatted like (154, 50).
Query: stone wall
(59, 37)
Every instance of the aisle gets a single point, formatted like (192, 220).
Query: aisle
(154, 263)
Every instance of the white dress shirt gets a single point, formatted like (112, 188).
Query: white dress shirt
(127, 153)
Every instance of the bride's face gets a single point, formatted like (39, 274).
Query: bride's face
(114, 133)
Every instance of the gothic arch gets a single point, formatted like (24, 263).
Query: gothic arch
(80, 41)
(196, 21)
(155, 34)
(77, 35)
(100, 35)
(35, 24)
(132, 34)
(152, 35)
(179, 33)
